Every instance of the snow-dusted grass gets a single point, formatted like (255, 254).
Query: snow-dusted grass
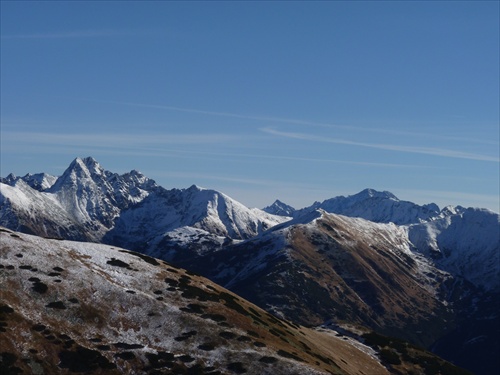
(108, 297)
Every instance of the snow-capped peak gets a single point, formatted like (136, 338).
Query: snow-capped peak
(37, 181)
(279, 208)
(79, 170)
(372, 193)
(382, 207)
(92, 165)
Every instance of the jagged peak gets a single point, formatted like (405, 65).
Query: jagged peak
(135, 172)
(277, 202)
(87, 164)
(11, 177)
(432, 207)
(91, 164)
(89, 160)
(196, 188)
(279, 208)
(39, 181)
(79, 169)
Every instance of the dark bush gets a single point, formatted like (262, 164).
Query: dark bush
(214, 317)
(84, 360)
(227, 335)
(118, 263)
(125, 355)
(40, 287)
(374, 339)
(207, 346)
(56, 305)
(236, 367)
(268, 360)
(389, 356)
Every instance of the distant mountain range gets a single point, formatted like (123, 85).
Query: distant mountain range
(415, 272)
(90, 203)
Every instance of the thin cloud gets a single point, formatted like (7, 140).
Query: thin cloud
(298, 122)
(73, 34)
(316, 160)
(407, 149)
(214, 113)
(198, 176)
(150, 145)
(116, 140)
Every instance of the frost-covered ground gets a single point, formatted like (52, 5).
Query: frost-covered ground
(118, 311)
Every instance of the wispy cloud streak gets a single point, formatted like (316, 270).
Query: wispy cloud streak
(151, 145)
(73, 34)
(407, 149)
(315, 160)
(116, 140)
(290, 121)
(204, 176)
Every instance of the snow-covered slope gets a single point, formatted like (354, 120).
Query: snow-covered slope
(89, 203)
(38, 181)
(194, 218)
(31, 211)
(279, 208)
(465, 243)
(130, 210)
(82, 204)
(92, 195)
(380, 207)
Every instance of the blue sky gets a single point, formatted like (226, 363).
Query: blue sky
(300, 101)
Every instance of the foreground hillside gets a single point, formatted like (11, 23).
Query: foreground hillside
(69, 307)
(73, 307)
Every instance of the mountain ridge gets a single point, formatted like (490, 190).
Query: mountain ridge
(93, 199)
(287, 264)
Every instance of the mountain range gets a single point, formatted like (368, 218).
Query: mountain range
(369, 260)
